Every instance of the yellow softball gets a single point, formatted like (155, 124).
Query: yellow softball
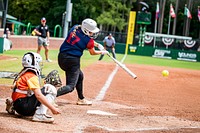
(165, 73)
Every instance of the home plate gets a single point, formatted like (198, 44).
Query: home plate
(99, 112)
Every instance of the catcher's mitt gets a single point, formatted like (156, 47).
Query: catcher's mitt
(53, 78)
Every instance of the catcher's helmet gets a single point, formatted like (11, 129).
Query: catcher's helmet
(90, 26)
(32, 60)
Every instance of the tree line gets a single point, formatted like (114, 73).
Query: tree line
(111, 15)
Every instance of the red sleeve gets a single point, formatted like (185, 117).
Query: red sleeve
(90, 44)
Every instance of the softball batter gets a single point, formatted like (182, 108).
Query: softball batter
(80, 37)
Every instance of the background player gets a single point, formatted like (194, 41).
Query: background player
(42, 31)
(109, 45)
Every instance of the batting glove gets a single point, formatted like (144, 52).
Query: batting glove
(100, 47)
(104, 52)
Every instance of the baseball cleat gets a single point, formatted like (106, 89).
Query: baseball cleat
(9, 107)
(84, 102)
(43, 118)
(48, 60)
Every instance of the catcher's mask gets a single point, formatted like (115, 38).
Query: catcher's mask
(32, 60)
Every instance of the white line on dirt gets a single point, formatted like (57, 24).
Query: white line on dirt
(102, 93)
(145, 123)
(2, 99)
(144, 129)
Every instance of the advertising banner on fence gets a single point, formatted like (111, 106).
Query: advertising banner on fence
(161, 53)
(165, 53)
(187, 56)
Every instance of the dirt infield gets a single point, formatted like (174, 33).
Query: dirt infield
(149, 104)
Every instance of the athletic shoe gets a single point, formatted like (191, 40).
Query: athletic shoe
(43, 118)
(48, 60)
(84, 102)
(9, 107)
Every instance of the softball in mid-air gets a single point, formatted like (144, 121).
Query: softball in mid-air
(165, 73)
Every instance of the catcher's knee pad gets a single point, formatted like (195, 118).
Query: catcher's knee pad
(50, 89)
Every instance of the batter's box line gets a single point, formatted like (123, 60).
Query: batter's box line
(81, 129)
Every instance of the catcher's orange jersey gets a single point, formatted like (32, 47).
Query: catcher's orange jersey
(27, 81)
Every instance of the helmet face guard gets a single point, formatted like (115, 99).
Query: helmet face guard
(89, 28)
(32, 60)
(95, 35)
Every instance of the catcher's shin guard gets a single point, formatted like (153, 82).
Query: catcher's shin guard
(42, 109)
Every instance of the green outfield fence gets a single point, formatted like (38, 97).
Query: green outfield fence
(186, 55)
(165, 53)
(146, 50)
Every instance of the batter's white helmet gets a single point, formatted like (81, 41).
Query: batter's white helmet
(32, 60)
(89, 25)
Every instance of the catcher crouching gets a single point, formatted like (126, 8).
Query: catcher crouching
(28, 99)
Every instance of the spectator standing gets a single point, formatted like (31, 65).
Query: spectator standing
(7, 45)
(42, 31)
(109, 45)
(79, 38)
(7, 33)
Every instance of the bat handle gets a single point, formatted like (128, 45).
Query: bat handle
(109, 54)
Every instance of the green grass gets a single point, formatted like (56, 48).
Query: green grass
(87, 59)
(134, 59)
(162, 62)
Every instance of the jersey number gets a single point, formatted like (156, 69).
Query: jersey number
(72, 39)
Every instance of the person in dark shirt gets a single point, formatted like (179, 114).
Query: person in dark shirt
(79, 38)
(42, 31)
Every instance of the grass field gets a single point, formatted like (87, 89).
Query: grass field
(14, 65)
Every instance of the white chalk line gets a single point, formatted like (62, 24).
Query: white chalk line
(2, 99)
(144, 129)
(149, 123)
(104, 89)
